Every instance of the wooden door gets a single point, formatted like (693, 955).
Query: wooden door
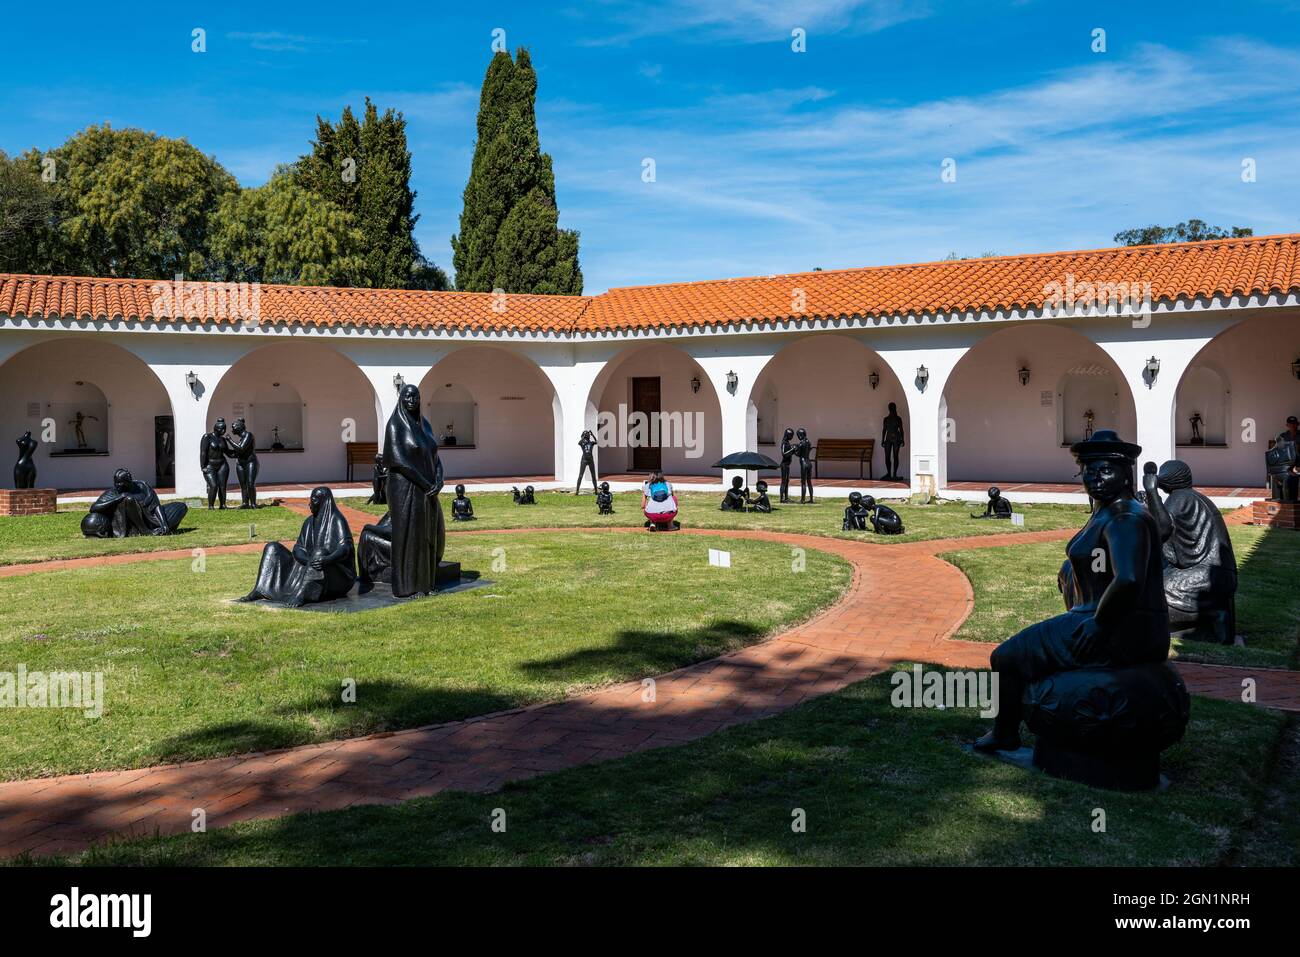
(645, 398)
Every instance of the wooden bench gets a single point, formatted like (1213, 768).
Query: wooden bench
(360, 453)
(844, 450)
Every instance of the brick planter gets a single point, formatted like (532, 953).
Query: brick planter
(28, 501)
(1275, 514)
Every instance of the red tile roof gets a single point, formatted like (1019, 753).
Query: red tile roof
(1254, 265)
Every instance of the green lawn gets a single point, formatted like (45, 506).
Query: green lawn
(700, 510)
(878, 785)
(188, 676)
(40, 538)
(1015, 586)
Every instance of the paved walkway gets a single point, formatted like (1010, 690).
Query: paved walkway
(868, 630)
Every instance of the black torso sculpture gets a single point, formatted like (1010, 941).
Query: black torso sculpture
(25, 467)
(1093, 684)
(212, 460)
(884, 520)
(762, 503)
(321, 566)
(804, 451)
(587, 443)
(414, 481)
(788, 449)
(131, 508)
(604, 500)
(1200, 570)
(736, 498)
(891, 440)
(243, 449)
(379, 494)
(855, 514)
(462, 509)
(525, 497)
(998, 507)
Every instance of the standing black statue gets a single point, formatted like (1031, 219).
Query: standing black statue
(321, 566)
(891, 440)
(1093, 684)
(855, 514)
(462, 509)
(379, 484)
(788, 449)
(884, 520)
(25, 467)
(212, 460)
(604, 500)
(414, 481)
(998, 507)
(804, 451)
(1200, 570)
(762, 503)
(525, 497)
(736, 497)
(242, 447)
(131, 508)
(587, 443)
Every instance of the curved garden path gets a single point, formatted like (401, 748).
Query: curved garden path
(902, 604)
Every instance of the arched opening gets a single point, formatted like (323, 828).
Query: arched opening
(492, 411)
(1016, 401)
(655, 408)
(93, 407)
(836, 387)
(1242, 387)
(303, 401)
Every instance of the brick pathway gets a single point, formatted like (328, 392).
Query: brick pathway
(870, 629)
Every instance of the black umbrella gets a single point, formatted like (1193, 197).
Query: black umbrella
(749, 461)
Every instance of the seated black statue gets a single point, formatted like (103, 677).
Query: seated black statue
(321, 566)
(1093, 684)
(379, 494)
(375, 554)
(736, 497)
(884, 520)
(1200, 569)
(25, 467)
(462, 510)
(855, 514)
(525, 497)
(998, 507)
(131, 508)
(604, 500)
(762, 503)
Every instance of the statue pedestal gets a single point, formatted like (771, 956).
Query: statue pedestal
(28, 501)
(447, 576)
(1275, 514)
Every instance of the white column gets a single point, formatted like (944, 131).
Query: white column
(739, 419)
(189, 416)
(930, 424)
(572, 409)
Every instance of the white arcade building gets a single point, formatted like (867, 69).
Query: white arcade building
(996, 365)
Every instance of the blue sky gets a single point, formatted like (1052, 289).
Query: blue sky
(766, 160)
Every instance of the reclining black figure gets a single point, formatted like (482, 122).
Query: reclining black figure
(131, 508)
(998, 507)
(525, 497)
(736, 498)
(604, 500)
(884, 520)
(762, 503)
(462, 509)
(1093, 684)
(320, 567)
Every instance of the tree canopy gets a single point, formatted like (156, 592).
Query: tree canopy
(1194, 230)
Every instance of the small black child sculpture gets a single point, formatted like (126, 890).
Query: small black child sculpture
(525, 497)
(884, 520)
(998, 507)
(604, 500)
(855, 514)
(762, 503)
(736, 498)
(462, 510)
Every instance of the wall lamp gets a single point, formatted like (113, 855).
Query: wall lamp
(695, 383)
(874, 379)
(922, 377)
(733, 382)
(398, 382)
(1153, 367)
(1024, 375)
(191, 380)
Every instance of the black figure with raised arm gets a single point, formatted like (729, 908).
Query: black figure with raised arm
(241, 446)
(762, 503)
(414, 481)
(587, 443)
(855, 514)
(891, 440)
(788, 449)
(805, 451)
(131, 508)
(884, 520)
(462, 509)
(25, 467)
(320, 567)
(736, 497)
(212, 460)
(604, 500)
(998, 507)
(379, 483)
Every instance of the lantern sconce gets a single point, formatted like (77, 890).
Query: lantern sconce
(874, 379)
(733, 382)
(191, 380)
(1295, 368)
(922, 377)
(398, 382)
(1152, 370)
(695, 383)
(1024, 375)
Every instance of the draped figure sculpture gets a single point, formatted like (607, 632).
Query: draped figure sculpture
(1200, 569)
(25, 467)
(242, 447)
(788, 448)
(414, 481)
(320, 567)
(212, 461)
(131, 508)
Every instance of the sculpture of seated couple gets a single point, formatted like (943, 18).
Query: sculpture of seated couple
(131, 508)
(998, 507)
(737, 498)
(604, 500)
(214, 448)
(525, 497)
(864, 509)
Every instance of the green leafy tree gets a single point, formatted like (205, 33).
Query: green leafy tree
(509, 234)
(29, 235)
(1194, 230)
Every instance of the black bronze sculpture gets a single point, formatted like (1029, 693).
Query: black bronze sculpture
(788, 449)
(855, 514)
(604, 500)
(25, 467)
(804, 451)
(736, 498)
(525, 497)
(762, 503)
(375, 554)
(414, 481)
(379, 493)
(321, 566)
(78, 423)
(131, 508)
(212, 460)
(884, 520)
(998, 507)
(1282, 461)
(1093, 684)
(1200, 570)
(462, 509)
(242, 448)
(891, 440)
(587, 443)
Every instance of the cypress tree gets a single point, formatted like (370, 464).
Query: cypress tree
(509, 227)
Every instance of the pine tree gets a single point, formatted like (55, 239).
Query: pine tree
(509, 227)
